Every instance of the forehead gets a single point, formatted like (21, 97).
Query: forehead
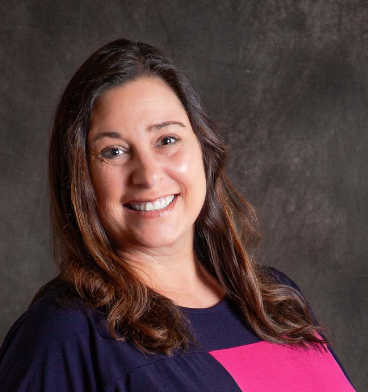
(139, 97)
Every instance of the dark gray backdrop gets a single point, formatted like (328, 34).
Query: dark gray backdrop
(287, 82)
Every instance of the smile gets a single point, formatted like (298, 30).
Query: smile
(155, 205)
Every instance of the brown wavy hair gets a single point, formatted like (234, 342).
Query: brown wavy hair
(225, 230)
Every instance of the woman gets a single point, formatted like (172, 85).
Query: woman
(157, 288)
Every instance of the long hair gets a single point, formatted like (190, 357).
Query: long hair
(225, 231)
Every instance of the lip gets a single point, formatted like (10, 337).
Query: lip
(153, 214)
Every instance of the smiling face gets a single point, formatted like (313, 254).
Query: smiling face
(146, 166)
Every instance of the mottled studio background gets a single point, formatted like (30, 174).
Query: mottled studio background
(287, 82)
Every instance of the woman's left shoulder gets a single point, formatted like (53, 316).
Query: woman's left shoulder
(280, 276)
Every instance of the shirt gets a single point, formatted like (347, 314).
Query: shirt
(50, 348)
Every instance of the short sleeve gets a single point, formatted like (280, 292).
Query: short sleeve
(48, 349)
(284, 279)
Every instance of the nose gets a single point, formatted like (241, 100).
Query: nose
(147, 170)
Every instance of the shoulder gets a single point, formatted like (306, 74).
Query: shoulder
(46, 324)
(47, 343)
(284, 279)
(280, 277)
(47, 318)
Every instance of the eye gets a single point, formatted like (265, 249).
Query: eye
(167, 140)
(112, 153)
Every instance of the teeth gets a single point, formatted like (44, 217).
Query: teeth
(154, 206)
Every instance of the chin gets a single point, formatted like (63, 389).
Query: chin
(147, 240)
(156, 241)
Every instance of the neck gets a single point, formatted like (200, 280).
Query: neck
(176, 274)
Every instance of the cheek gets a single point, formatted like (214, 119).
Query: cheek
(187, 167)
(107, 182)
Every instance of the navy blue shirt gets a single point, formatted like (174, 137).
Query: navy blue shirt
(51, 348)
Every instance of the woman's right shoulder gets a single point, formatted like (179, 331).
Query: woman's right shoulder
(47, 317)
(48, 338)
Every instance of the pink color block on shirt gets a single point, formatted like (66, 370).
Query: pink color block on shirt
(266, 367)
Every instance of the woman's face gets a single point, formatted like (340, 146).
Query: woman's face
(146, 166)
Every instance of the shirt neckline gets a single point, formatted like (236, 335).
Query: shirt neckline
(215, 308)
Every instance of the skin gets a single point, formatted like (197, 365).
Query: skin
(142, 147)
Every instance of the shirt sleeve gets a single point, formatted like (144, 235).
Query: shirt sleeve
(284, 279)
(48, 349)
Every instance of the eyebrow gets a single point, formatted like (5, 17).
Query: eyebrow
(153, 127)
